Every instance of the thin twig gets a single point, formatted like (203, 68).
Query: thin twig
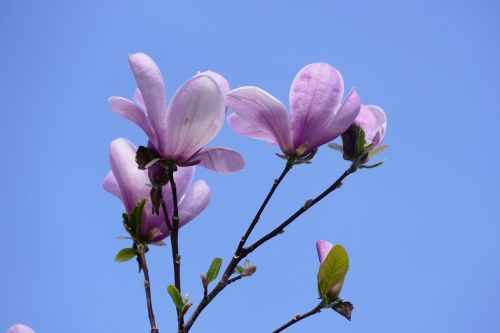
(299, 317)
(223, 282)
(244, 252)
(141, 249)
(174, 236)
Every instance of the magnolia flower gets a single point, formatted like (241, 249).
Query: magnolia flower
(20, 328)
(194, 116)
(317, 114)
(323, 248)
(130, 185)
(373, 121)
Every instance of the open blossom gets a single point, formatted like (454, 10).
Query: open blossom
(130, 185)
(373, 121)
(323, 248)
(317, 114)
(194, 116)
(20, 328)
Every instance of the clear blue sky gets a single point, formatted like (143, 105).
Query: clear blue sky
(422, 231)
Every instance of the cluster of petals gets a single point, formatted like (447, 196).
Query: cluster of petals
(372, 120)
(317, 113)
(193, 117)
(130, 184)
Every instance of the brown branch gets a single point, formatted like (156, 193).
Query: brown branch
(141, 249)
(299, 317)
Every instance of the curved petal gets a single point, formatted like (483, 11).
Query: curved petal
(131, 181)
(20, 328)
(195, 116)
(219, 79)
(137, 98)
(339, 122)
(315, 94)
(263, 112)
(110, 185)
(133, 185)
(150, 83)
(194, 202)
(132, 112)
(373, 121)
(183, 178)
(220, 159)
(245, 128)
(323, 248)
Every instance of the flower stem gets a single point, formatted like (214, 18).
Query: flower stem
(174, 236)
(299, 317)
(223, 282)
(308, 204)
(141, 249)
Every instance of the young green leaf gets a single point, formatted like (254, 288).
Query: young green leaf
(176, 296)
(136, 216)
(125, 254)
(333, 269)
(214, 269)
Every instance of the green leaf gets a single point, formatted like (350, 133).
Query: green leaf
(333, 269)
(160, 243)
(176, 296)
(136, 216)
(359, 146)
(378, 150)
(125, 254)
(364, 166)
(238, 270)
(214, 269)
(337, 147)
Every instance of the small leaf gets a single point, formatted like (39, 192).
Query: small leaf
(124, 237)
(238, 270)
(176, 296)
(246, 263)
(160, 243)
(359, 147)
(125, 254)
(136, 216)
(378, 150)
(364, 166)
(333, 270)
(337, 147)
(214, 269)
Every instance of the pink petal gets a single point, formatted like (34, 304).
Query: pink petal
(245, 128)
(132, 112)
(133, 185)
(194, 202)
(150, 83)
(323, 248)
(183, 178)
(137, 98)
(221, 80)
(315, 94)
(340, 121)
(195, 116)
(20, 328)
(263, 112)
(111, 185)
(220, 159)
(373, 121)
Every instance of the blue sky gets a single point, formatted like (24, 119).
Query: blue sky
(422, 231)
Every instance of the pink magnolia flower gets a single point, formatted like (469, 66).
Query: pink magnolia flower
(323, 248)
(373, 121)
(20, 328)
(130, 185)
(317, 114)
(194, 116)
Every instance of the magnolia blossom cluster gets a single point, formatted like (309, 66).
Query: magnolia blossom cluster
(179, 131)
